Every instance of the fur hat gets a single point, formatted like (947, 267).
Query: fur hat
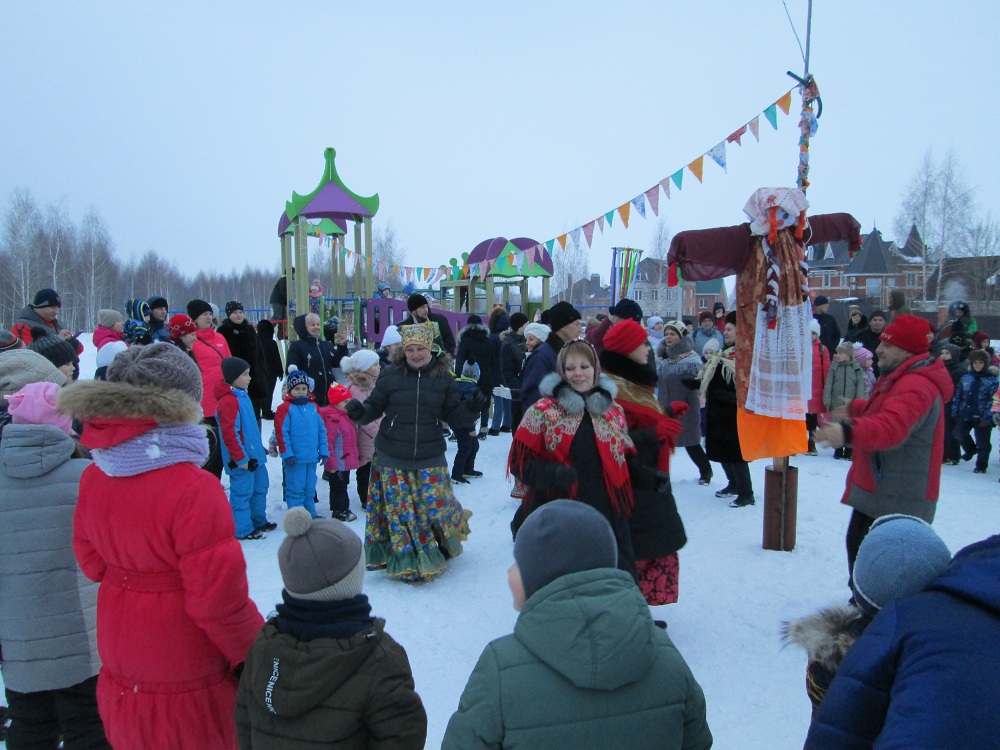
(625, 337)
(320, 559)
(338, 394)
(862, 355)
(391, 336)
(908, 333)
(362, 360)
(899, 556)
(156, 302)
(562, 537)
(677, 326)
(9, 342)
(197, 307)
(46, 298)
(718, 306)
(731, 318)
(814, 327)
(159, 365)
(108, 318)
(23, 366)
(470, 370)
(561, 314)
(297, 377)
(232, 368)
(180, 325)
(846, 347)
(419, 334)
(517, 320)
(706, 315)
(107, 353)
(232, 307)
(415, 301)
(36, 404)
(539, 330)
(56, 350)
(626, 308)
(979, 355)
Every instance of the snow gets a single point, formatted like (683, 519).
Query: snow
(733, 594)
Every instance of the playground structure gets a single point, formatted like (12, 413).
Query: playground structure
(508, 264)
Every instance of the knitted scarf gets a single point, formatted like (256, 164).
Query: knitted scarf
(163, 445)
(549, 426)
(308, 620)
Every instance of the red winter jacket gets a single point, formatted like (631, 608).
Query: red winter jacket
(821, 366)
(104, 335)
(209, 349)
(898, 440)
(174, 615)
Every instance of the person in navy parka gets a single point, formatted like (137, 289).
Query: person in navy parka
(924, 673)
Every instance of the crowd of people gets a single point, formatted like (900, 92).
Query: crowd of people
(163, 629)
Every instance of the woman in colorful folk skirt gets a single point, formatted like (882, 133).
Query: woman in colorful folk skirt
(414, 523)
(656, 527)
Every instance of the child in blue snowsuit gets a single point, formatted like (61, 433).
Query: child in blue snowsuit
(301, 441)
(466, 435)
(243, 451)
(971, 408)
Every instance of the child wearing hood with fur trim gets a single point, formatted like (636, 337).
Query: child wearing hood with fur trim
(362, 369)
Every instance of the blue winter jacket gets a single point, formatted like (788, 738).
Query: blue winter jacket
(537, 365)
(974, 397)
(240, 435)
(301, 432)
(924, 673)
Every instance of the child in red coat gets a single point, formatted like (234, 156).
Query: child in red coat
(342, 439)
(821, 366)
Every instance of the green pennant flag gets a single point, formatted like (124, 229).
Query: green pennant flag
(609, 216)
(771, 113)
(678, 177)
(549, 244)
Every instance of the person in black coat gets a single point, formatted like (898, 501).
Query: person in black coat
(420, 312)
(474, 346)
(869, 335)
(829, 331)
(245, 344)
(513, 350)
(265, 332)
(315, 356)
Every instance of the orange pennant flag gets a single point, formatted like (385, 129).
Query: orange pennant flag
(697, 166)
(785, 102)
(623, 212)
(562, 241)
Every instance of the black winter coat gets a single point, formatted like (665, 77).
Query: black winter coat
(474, 344)
(447, 340)
(722, 441)
(316, 358)
(513, 350)
(265, 332)
(245, 344)
(829, 331)
(415, 404)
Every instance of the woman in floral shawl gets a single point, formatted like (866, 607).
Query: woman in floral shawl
(656, 527)
(573, 442)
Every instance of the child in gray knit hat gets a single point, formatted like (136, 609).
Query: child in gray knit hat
(323, 670)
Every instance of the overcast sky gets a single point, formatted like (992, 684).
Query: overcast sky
(188, 124)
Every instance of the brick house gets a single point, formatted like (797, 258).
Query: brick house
(587, 295)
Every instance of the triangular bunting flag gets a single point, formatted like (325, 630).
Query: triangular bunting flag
(771, 113)
(754, 126)
(718, 154)
(665, 184)
(549, 244)
(588, 232)
(609, 217)
(678, 177)
(561, 239)
(420, 273)
(640, 204)
(697, 166)
(623, 211)
(735, 136)
(653, 196)
(575, 235)
(674, 277)
(529, 255)
(785, 102)
(600, 223)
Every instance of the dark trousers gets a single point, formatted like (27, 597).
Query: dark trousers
(981, 446)
(697, 454)
(37, 720)
(339, 501)
(857, 530)
(213, 463)
(516, 413)
(362, 476)
(738, 474)
(951, 450)
(468, 447)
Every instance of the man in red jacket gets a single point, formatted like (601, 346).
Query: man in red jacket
(43, 312)
(897, 433)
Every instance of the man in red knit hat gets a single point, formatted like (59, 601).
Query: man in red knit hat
(897, 433)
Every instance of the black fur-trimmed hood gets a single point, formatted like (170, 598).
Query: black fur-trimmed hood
(828, 635)
(476, 330)
(90, 399)
(598, 401)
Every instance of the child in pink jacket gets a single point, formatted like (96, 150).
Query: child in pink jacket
(362, 369)
(342, 438)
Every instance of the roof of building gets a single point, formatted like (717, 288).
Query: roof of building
(875, 258)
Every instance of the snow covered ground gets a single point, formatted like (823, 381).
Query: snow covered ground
(733, 594)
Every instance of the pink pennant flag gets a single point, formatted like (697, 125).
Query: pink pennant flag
(531, 254)
(653, 198)
(588, 231)
(600, 223)
(754, 126)
(665, 184)
(735, 136)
